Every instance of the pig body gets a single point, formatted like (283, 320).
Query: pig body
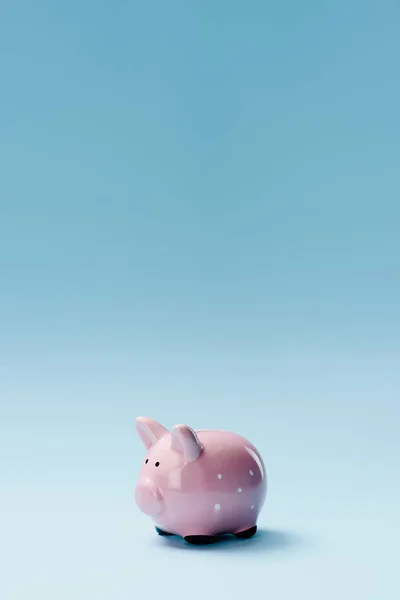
(200, 484)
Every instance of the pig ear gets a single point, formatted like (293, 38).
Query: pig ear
(149, 430)
(184, 440)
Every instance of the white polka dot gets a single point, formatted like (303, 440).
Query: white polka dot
(219, 476)
(251, 473)
(252, 507)
(217, 506)
(240, 490)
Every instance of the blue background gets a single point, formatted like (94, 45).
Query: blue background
(200, 222)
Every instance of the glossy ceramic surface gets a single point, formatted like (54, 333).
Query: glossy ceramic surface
(199, 483)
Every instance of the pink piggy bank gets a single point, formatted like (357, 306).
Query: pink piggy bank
(200, 484)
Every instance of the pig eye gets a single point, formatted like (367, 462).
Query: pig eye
(157, 464)
(146, 461)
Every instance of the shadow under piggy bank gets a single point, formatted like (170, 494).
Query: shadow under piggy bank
(264, 541)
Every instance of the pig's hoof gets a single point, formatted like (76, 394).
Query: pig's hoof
(162, 532)
(248, 533)
(200, 540)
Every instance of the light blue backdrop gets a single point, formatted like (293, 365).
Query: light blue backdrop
(200, 221)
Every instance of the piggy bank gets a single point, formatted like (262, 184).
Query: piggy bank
(200, 484)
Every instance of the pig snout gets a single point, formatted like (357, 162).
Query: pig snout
(149, 498)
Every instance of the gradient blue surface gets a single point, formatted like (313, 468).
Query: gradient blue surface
(199, 221)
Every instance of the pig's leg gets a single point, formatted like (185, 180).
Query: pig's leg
(201, 540)
(247, 533)
(162, 532)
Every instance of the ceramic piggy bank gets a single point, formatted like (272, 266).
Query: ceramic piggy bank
(200, 484)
